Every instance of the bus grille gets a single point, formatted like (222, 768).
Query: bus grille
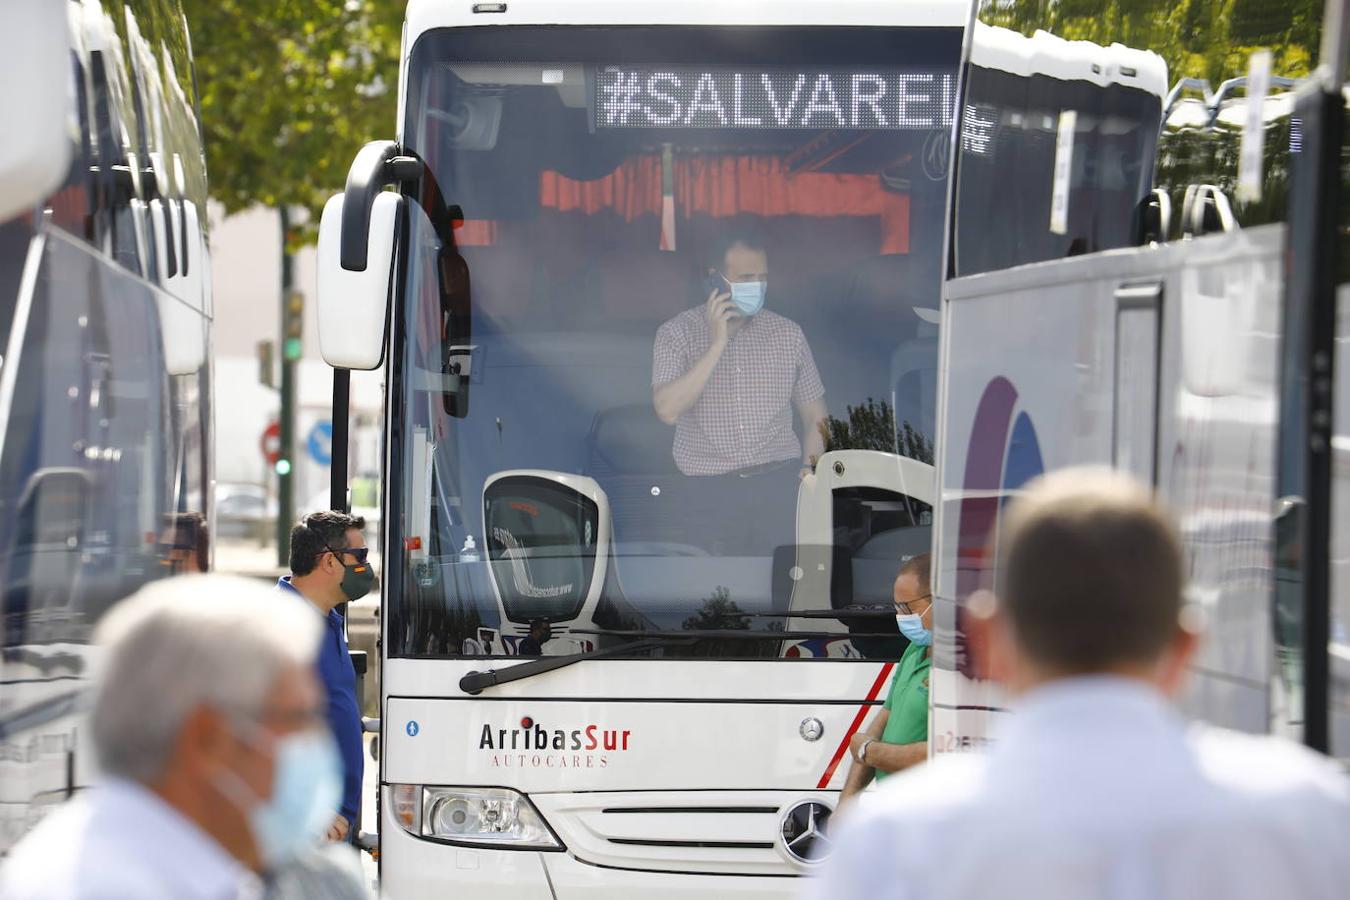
(710, 832)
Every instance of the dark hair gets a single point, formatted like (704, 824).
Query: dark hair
(541, 624)
(1090, 572)
(318, 532)
(743, 234)
(189, 530)
(921, 567)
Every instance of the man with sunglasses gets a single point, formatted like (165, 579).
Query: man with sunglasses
(329, 567)
(897, 738)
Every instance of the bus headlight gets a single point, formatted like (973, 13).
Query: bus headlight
(493, 817)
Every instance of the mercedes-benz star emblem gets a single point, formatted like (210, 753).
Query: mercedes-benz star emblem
(811, 729)
(804, 832)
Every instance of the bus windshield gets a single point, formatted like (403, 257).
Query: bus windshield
(664, 353)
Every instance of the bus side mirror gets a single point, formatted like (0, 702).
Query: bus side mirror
(37, 118)
(354, 303)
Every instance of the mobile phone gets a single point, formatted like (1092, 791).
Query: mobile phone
(714, 281)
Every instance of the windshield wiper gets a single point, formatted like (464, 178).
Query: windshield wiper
(475, 682)
(745, 634)
(843, 612)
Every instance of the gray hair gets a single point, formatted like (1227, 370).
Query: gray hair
(187, 642)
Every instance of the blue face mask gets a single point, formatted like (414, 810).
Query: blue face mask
(748, 296)
(306, 792)
(911, 626)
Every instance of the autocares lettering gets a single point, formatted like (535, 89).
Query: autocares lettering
(534, 746)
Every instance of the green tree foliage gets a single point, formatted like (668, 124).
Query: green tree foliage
(718, 613)
(1211, 39)
(871, 426)
(290, 90)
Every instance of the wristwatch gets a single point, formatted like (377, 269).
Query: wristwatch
(862, 750)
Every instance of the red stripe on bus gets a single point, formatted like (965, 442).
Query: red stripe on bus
(853, 729)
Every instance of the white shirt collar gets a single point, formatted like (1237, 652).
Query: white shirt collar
(1089, 705)
(187, 855)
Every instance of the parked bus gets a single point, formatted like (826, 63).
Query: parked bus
(1147, 279)
(716, 627)
(105, 385)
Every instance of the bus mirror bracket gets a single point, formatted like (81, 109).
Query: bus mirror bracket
(377, 165)
(358, 237)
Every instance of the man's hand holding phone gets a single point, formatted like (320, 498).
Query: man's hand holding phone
(719, 309)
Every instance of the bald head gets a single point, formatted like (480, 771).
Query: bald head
(1090, 573)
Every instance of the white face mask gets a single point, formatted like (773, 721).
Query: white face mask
(748, 296)
(306, 793)
(911, 626)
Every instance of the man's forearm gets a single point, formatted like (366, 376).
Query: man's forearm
(859, 776)
(814, 445)
(813, 417)
(675, 398)
(895, 757)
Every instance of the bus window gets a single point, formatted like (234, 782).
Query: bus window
(1018, 120)
(544, 471)
(83, 486)
(72, 204)
(115, 225)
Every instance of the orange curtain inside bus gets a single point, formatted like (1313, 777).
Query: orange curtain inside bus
(721, 188)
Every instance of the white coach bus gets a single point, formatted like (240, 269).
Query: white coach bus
(1149, 279)
(105, 382)
(567, 175)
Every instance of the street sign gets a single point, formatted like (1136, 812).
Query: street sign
(320, 442)
(270, 443)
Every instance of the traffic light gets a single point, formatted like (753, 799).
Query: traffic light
(293, 325)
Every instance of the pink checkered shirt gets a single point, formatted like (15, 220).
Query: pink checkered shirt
(744, 417)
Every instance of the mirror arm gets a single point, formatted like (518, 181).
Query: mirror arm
(377, 165)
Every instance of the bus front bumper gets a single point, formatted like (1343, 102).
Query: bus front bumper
(411, 867)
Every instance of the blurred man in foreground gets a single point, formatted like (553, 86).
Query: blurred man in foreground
(1095, 786)
(209, 728)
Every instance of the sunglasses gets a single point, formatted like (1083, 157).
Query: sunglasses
(361, 553)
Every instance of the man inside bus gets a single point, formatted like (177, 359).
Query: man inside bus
(728, 374)
(329, 567)
(533, 643)
(1096, 786)
(897, 738)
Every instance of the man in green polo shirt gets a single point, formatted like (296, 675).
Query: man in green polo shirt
(897, 737)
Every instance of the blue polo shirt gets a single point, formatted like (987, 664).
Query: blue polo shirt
(334, 668)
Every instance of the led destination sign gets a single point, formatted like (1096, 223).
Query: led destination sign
(895, 100)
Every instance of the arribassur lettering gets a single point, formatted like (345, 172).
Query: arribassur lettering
(537, 747)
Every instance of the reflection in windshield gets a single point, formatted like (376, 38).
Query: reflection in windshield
(666, 374)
